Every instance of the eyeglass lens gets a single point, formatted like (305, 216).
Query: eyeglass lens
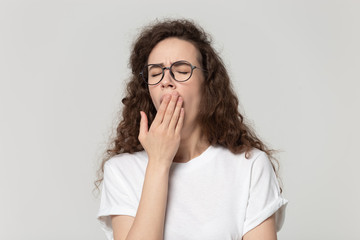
(181, 71)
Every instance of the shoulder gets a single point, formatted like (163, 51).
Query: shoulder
(261, 167)
(126, 160)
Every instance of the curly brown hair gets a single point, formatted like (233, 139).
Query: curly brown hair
(219, 117)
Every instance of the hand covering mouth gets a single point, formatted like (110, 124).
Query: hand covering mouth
(162, 97)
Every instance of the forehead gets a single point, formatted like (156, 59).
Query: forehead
(171, 50)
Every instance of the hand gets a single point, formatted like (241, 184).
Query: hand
(162, 140)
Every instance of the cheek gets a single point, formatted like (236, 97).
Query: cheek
(192, 101)
(156, 105)
(153, 96)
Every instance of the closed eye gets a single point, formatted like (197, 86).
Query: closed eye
(154, 75)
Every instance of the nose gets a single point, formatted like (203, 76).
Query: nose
(167, 81)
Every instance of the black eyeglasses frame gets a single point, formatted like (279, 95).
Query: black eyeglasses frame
(171, 73)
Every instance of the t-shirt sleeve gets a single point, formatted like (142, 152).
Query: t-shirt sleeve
(115, 199)
(264, 195)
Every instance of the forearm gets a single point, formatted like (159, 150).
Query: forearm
(150, 217)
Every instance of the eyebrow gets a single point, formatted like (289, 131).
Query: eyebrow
(162, 64)
(154, 66)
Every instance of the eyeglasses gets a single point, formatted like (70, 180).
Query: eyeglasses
(180, 71)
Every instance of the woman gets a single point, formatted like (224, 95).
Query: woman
(184, 165)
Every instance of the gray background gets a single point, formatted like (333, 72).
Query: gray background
(294, 65)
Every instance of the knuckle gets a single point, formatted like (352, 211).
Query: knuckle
(159, 130)
(169, 112)
(161, 111)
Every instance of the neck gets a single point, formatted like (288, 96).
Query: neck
(191, 145)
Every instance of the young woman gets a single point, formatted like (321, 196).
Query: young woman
(184, 165)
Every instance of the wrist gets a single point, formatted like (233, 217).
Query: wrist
(158, 166)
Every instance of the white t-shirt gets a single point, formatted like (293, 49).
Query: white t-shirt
(217, 195)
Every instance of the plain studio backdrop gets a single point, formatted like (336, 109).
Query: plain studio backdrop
(295, 66)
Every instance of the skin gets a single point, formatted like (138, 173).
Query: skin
(170, 50)
(174, 135)
(264, 231)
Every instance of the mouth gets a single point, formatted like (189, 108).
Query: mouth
(162, 98)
